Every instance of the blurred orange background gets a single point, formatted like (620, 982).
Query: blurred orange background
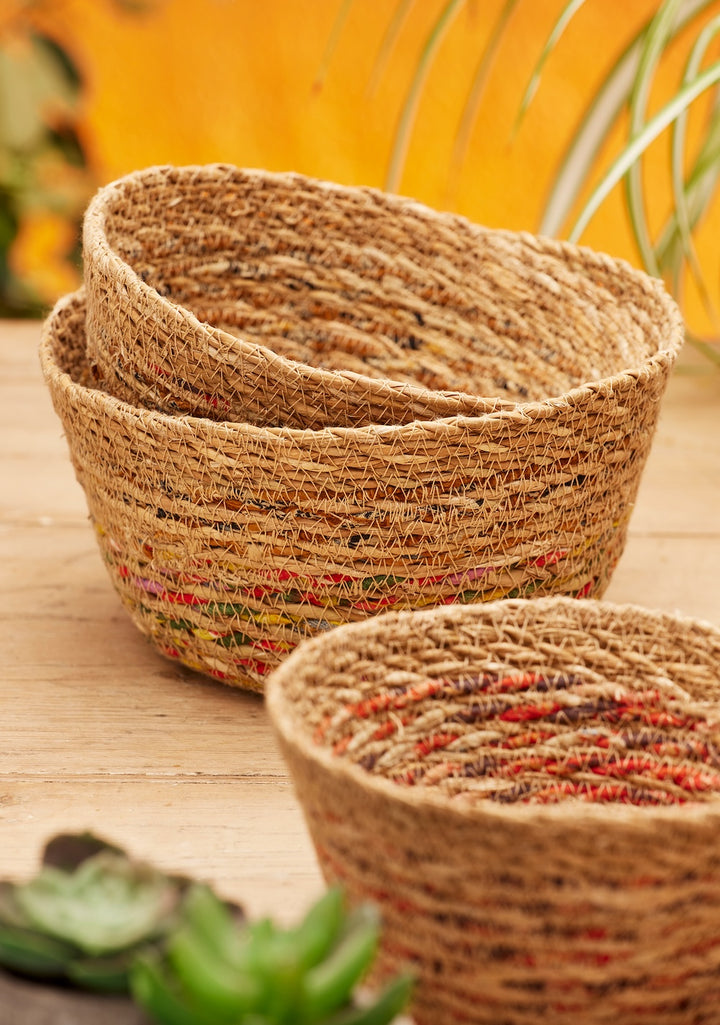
(247, 82)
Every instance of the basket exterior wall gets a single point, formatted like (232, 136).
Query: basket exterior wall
(424, 749)
(229, 544)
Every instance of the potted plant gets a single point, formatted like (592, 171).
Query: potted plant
(99, 936)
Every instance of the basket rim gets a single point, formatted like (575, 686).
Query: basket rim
(506, 414)
(288, 727)
(94, 225)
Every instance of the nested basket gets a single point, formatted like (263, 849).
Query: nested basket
(282, 300)
(229, 543)
(531, 792)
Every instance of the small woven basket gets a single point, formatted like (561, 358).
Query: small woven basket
(531, 792)
(230, 543)
(280, 300)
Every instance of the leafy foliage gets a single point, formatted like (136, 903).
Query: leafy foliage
(44, 167)
(87, 914)
(623, 92)
(95, 919)
(42, 158)
(215, 972)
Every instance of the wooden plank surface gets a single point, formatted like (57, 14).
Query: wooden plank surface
(98, 731)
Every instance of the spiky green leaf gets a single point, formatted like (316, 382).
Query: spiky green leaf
(596, 124)
(637, 146)
(475, 94)
(408, 112)
(564, 18)
(654, 43)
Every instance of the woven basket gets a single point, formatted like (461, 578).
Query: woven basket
(531, 792)
(280, 300)
(230, 543)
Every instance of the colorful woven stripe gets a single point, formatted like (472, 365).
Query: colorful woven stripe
(536, 737)
(284, 601)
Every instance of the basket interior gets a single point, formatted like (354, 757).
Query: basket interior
(355, 280)
(514, 707)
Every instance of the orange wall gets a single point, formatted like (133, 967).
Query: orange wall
(202, 80)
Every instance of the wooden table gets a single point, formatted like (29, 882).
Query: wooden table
(100, 732)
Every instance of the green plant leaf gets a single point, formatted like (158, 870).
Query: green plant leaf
(152, 990)
(314, 937)
(30, 953)
(637, 146)
(408, 112)
(384, 1008)
(329, 985)
(209, 981)
(475, 95)
(586, 143)
(699, 187)
(566, 15)
(108, 974)
(216, 922)
(106, 905)
(683, 219)
(10, 911)
(654, 43)
(596, 124)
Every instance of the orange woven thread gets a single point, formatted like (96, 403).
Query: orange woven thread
(230, 543)
(278, 299)
(531, 791)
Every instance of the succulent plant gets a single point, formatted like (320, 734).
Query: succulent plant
(95, 919)
(86, 914)
(213, 971)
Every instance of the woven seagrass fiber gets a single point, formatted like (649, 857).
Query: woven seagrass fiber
(230, 543)
(531, 792)
(278, 299)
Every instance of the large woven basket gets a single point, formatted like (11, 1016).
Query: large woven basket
(230, 543)
(280, 300)
(531, 792)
